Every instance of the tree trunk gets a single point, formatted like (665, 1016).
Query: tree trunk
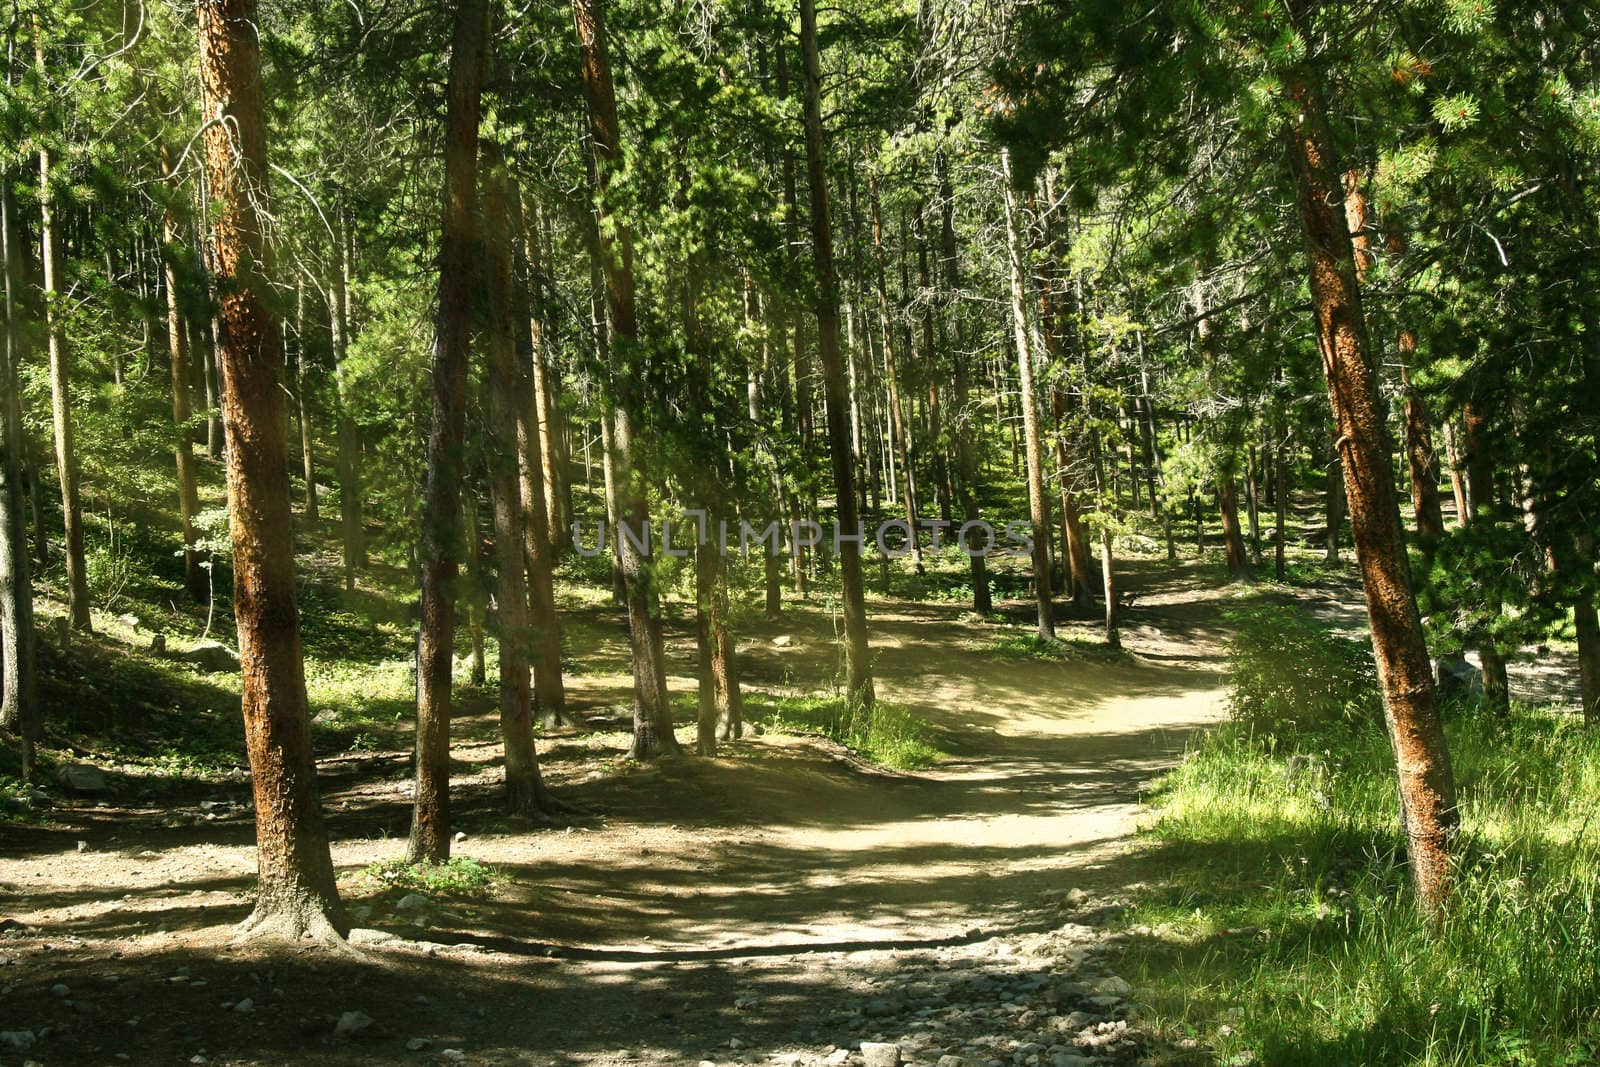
(1252, 481)
(302, 393)
(353, 539)
(1427, 787)
(1458, 481)
(440, 540)
(296, 893)
(1038, 503)
(966, 450)
(1335, 500)
(536, 478)
(196, 582)
(508, 397)
(19, 698)
(1419, 452)
(1280, 500)
(858, 667)
(897, 425)
(555, 490)
(652, 718)
(1232, 536)
(61, 396)
(1480, 509)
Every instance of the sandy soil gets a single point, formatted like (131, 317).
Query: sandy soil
(782, 873)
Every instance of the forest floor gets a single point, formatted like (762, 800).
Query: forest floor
(749, 898)
(783, 902)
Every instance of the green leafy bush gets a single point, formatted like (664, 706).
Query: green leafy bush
(458, 876)
(1288, 670)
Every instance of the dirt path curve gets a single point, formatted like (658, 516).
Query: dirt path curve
(778, 868)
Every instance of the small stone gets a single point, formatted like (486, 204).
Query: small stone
(158, 645)
(417, 1044)
(880, 1054)
(17, 1040)
(783, 640)
(838, 1056)
(412, 902)
(954, 1061)
(1069, 1059)
(352, 1023)
(1113, 985)
(461, 835)
(212, 657)
(245, 1006)
(83, 846)
(735, 1043)
(454, 1055)
(83, 778)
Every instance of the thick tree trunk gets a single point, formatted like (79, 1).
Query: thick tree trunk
(508, 397)
(19, 698)
(858, 666)
(652, 718)
(196, 582)
(1586, 623)
(1427, 786)
(61, 399)
(1038, 503)
(296, 893)
(440, 541)
(1232, 536)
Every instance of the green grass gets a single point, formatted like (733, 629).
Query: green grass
(1064, 645)
(1283, 928)
(890, 736)
(458, 876)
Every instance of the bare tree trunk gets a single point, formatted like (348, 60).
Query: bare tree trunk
(1280, 500)
(476, 596)
(19, 697)
(302, 391)
(1252, 481)
(1074, 539)
(1427, 785)
(1232, 537)
(652, 718)
(1335, 499)
(296, 893)
(558, 519)
(196, 581)
(353, 548)
(1480, 509)
(897, 426)
(966, 451)
(60, 394)
(440, 541)
(533, 433)
(508, 398)
(858, 665)
(1038, 503)
(1420, 454)
(1458, 481)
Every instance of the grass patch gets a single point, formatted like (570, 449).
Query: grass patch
(1284, 930)
(889, 736)
(458, 876)
(1025, 646)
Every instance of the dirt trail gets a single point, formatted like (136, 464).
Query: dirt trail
(779, 865)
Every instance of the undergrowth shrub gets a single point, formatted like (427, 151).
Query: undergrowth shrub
(1288, 671)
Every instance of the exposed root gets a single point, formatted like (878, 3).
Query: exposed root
(296, 925)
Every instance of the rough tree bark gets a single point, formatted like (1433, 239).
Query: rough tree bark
(1427, 785)
(1480, 509)
(652, 714)
(60, 391)
(858, 666)
(1038, 503)
(966, 451)
(508, 396)
(296, 894)
(195, 582)
(19, 699)
(441, 496)
(538, 480)
(353, 535)
(897, 425)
